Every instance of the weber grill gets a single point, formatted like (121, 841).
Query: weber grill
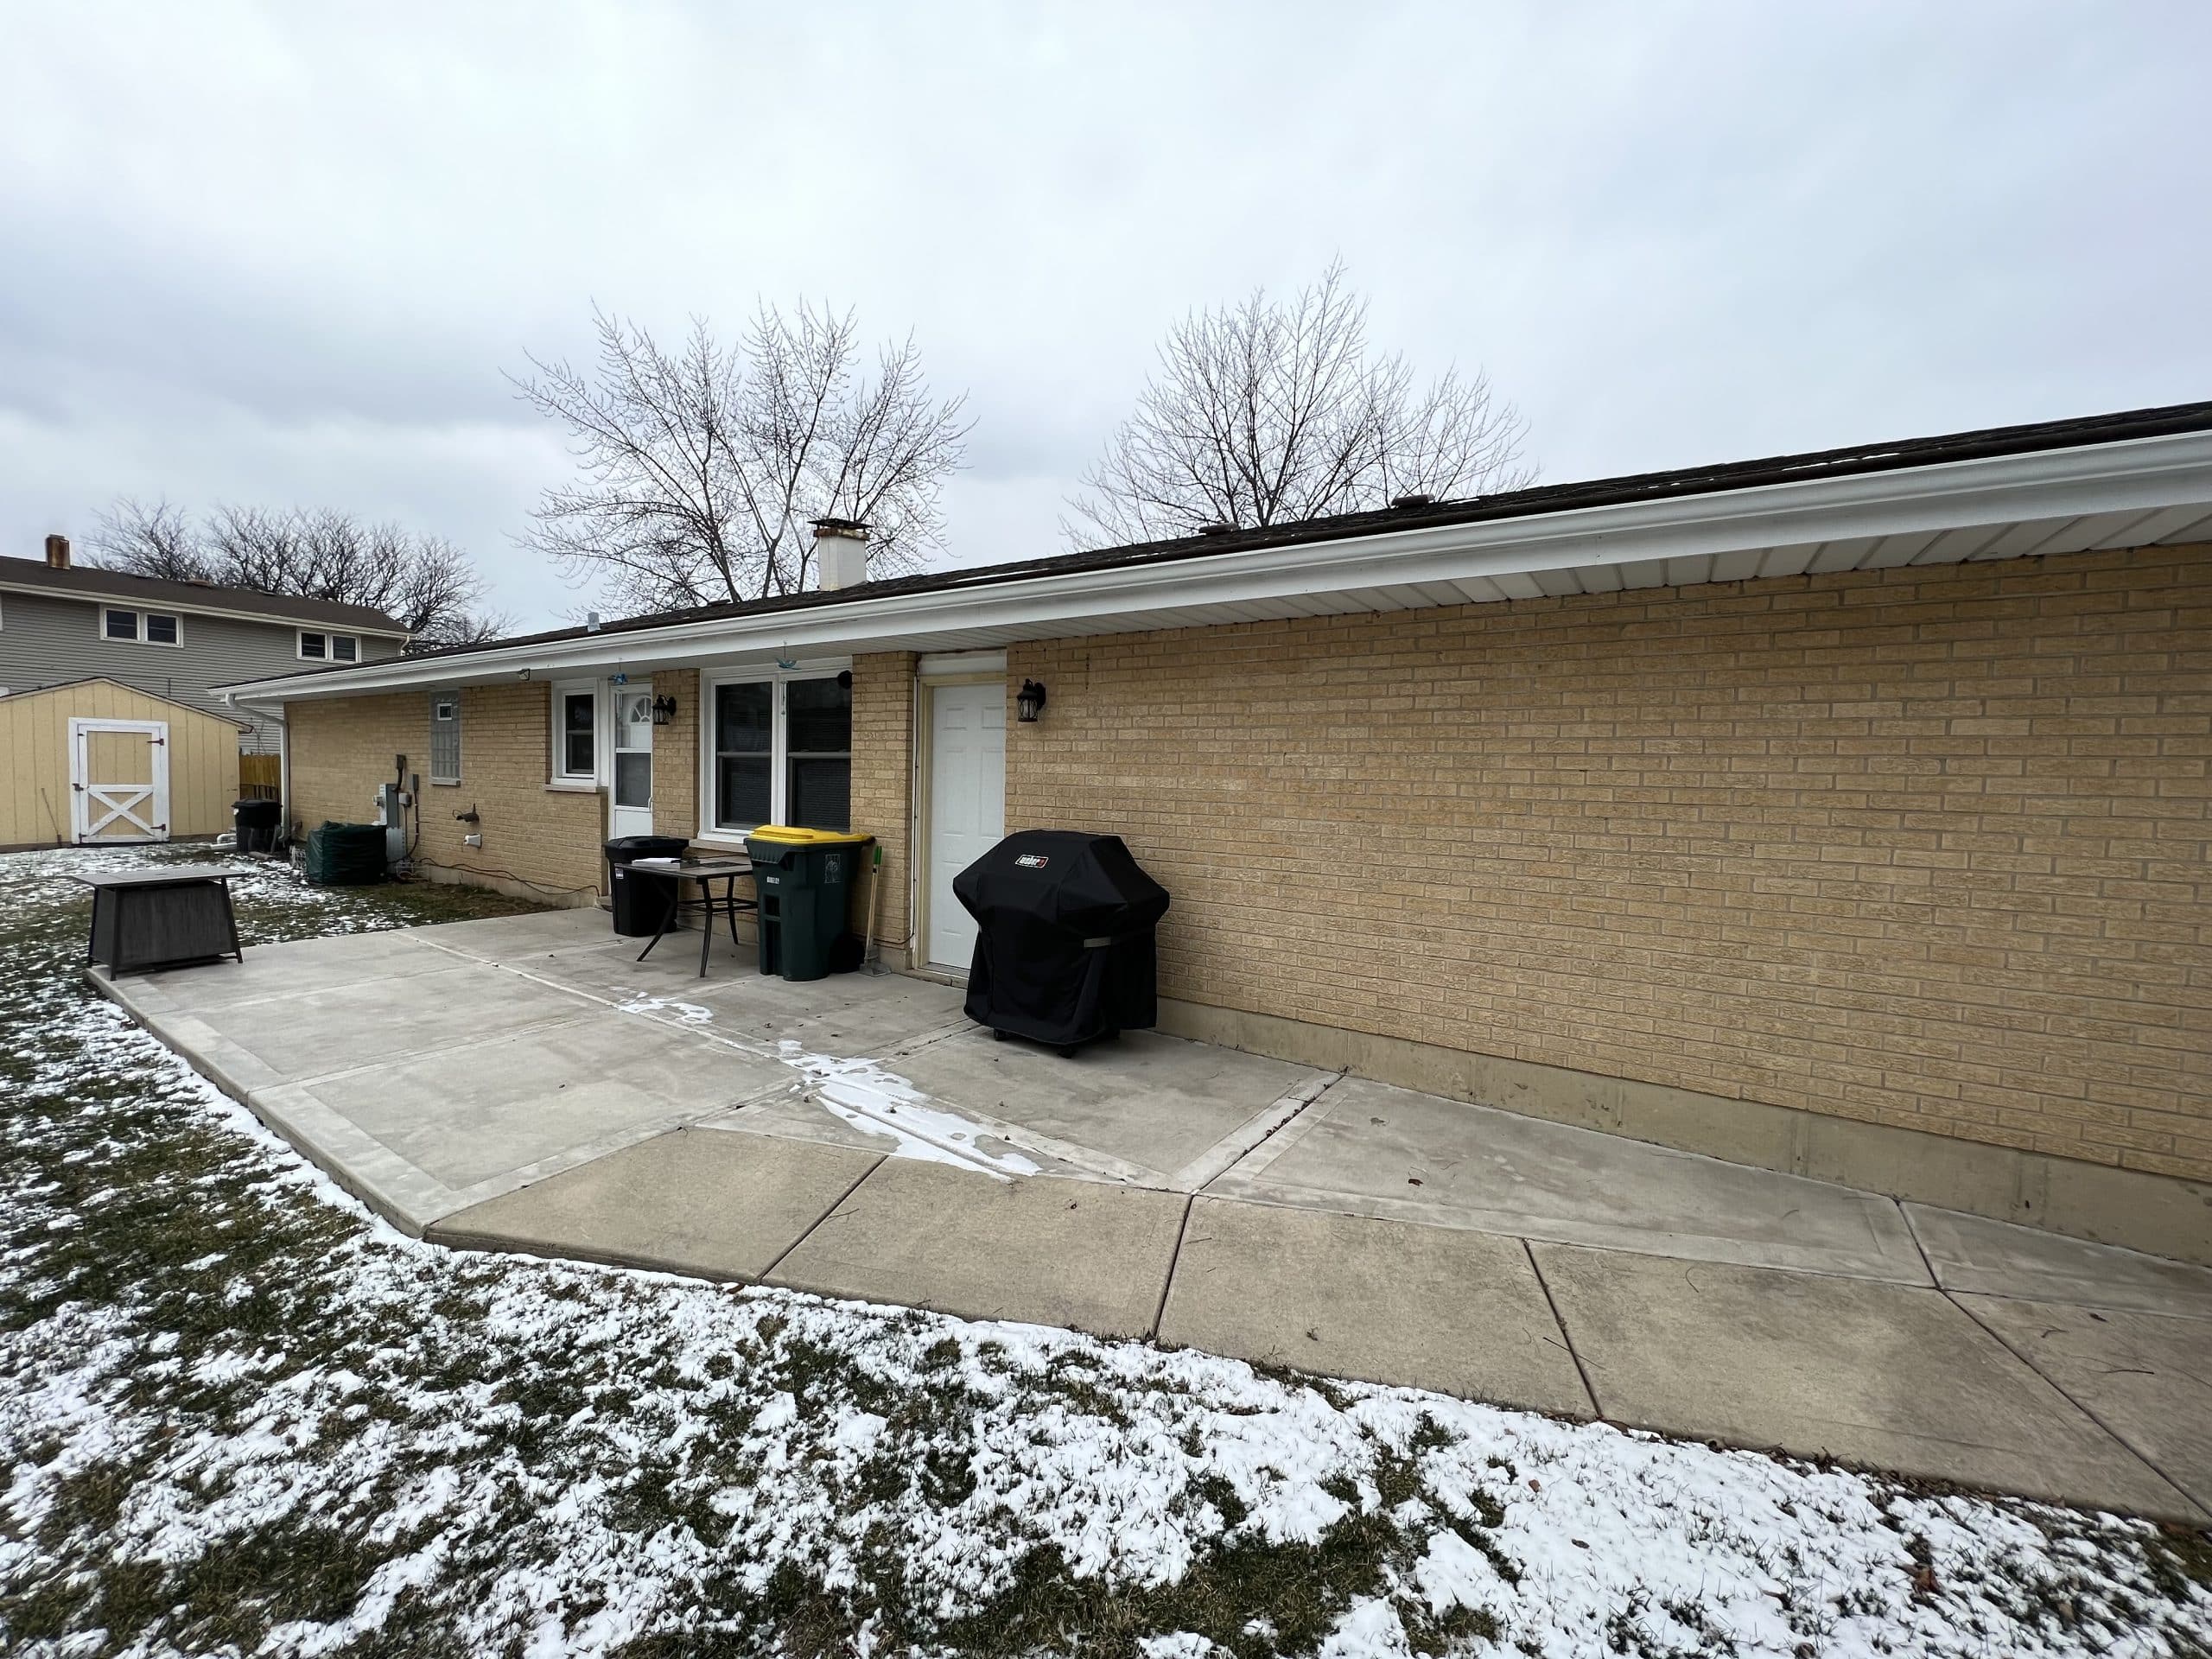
(1063, 938)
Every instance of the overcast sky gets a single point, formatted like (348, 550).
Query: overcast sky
(282, 254)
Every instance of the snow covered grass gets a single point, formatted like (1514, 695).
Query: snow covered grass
(238, 1416)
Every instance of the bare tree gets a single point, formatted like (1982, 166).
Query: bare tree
(1267, 412)
(423, 582)
(703, 465)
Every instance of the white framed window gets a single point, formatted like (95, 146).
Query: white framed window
(576, 732)
(120, 623)
(317, 647)
(445, 737)
(779, 749)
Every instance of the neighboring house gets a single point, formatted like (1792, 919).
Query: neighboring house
(60, 622)
(1844, 813)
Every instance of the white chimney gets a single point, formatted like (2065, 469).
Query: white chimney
(840, 553)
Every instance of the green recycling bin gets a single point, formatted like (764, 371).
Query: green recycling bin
(802, 879)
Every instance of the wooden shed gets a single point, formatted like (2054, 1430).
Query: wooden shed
(96, 763)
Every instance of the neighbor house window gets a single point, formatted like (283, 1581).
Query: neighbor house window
(782, 753)
(152, 628)
(316, 647)
(445, 738)
(576, 734)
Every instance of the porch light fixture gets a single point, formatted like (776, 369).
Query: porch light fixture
(1029, 702)
(664, 709)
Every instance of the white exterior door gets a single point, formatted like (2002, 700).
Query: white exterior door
(119, 780)
(967, 804)
(630, 792)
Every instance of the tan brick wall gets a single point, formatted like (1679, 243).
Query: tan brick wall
(675, 756)
(1925, 848)
(343, 748)
(883, 749)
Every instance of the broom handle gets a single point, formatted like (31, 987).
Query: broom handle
(874, 903)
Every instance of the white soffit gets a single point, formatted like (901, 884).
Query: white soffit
(2140, 493)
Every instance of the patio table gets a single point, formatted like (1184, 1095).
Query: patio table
(706, 872)
(161, 918)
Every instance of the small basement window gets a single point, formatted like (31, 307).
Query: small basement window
(445, 738)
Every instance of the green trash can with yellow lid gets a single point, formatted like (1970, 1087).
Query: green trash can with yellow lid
(804, 880)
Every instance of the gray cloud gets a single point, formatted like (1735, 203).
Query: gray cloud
(279, 254)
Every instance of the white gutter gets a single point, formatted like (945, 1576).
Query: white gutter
(2141, 474)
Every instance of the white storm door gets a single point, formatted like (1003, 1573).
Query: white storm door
(967, 804)
(630, 792)
(119, 780)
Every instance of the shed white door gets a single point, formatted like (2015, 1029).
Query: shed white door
(967, 804)
(630, 799)
(119, 780)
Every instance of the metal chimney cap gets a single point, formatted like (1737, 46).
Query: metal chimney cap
(838, 527)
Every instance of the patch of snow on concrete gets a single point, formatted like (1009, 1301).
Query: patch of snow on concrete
(691, 1013)
(879, 1102)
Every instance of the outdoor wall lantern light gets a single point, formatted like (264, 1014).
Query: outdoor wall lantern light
(664, 710)
(1029, 701)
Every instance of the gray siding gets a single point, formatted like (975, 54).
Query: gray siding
(46, 639)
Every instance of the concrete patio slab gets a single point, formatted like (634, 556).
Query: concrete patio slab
(1369, 1149)
(2146, 1377)
(262, 1044)
(1048, 1251)
(798, 1113)
(1995, 1258)
(1156, 1103)
(1461, 1312)
(425, 1136)
(518, 938)
(325, 965)
(719, 1206)
(1890, 1376)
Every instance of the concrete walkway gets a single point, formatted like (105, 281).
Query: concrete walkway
(521, 1084)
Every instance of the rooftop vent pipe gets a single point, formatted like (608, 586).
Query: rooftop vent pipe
(1414, 499)
(57, 552)
(840, 553)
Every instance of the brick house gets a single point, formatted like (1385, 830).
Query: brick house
(1842, 813)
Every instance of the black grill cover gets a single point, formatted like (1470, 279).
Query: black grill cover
(1064, 945)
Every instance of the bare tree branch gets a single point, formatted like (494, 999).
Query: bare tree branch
(703, 467)
(1267, 412)
(423, 582)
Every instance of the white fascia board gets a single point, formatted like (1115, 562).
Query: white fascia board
(2138, 475)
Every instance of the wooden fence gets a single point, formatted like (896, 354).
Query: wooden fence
(261, 777)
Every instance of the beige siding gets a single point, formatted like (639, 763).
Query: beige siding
(35, 759)
(1925, 848)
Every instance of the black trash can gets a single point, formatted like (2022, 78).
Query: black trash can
(640, 898)
(256, 822)
(802, 879)
(1063, 938)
